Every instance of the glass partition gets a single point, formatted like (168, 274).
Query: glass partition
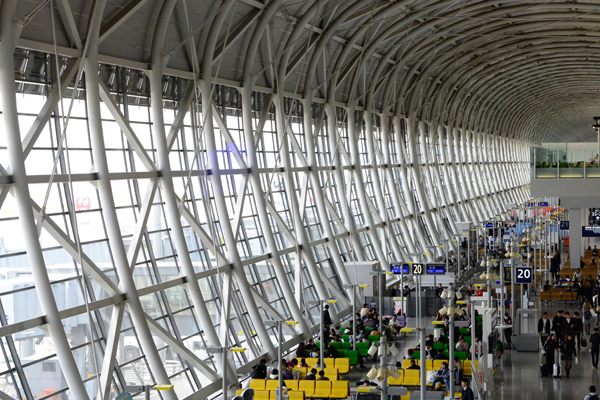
(565, 161)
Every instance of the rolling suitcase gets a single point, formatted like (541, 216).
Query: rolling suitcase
(556, 371)
(544, 370)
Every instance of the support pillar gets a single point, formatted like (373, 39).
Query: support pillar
(16, 161)
(113, 229)
(575, 242)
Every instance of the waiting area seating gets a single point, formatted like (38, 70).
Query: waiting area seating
(298, 390)
(412, 377)
(343, 365)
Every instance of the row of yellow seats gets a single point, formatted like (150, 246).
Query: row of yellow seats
(319, 389)
(342, 364)
(272, 394)
(436, 364)
(367, 390)
(332, 373)
(412, 377)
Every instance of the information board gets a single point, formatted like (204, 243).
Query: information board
(590, 231)
(564, 225)
(510, 224)
(436, 269)
(523, 274)
(399, 269)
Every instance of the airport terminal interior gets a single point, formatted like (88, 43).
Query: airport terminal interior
(299, 199)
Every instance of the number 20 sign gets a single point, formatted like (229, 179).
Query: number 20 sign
(523, 275)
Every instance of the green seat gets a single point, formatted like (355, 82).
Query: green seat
(464, 331)
(336, 345)
(416, 355)
(342, 330)
(368, 330)
(468, 340)
(363, 348)
(462, 355)
(346, 338)
(346, 345)
(438, 345)
(374, 338)
(352, 355)
(318, 344)
(446, 347)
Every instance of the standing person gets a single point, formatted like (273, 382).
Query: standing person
(555, 266)
(557, 324)
(577, 329)
(364, 311)
(394, 291)
(467, 392)
(595, 347)
(544, 327)
(326, 316)
(587, 316)
(568, 352)
(550, 348)
(508, 331)
(439, 290)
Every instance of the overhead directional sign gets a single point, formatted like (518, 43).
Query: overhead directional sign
(564, 225)
(510, 224)
(523, 274)
(488, 224)
(436, 269)
(543, 204)
(399, 269)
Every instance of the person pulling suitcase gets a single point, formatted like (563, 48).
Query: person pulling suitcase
(550, 348)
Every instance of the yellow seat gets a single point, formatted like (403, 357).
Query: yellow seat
(438, 363)
(329, 362)
(261, 394)
(291, 384)
(272, 394)
(296, 395)
(467, 367)
(257, 384)
(412, 377)
(343, 365)
(396, 382)
(332, 372)
(308, 387)
(272, 384)
(239, 392)
(322, 389)
(340, 390)
(428, 364)
(406, 363)
(303, 371)
(406, 396)
(312, 362)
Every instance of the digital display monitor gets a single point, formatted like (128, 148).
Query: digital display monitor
(510, 224)
(488, 224)
(399, 269)
(590, 231)
(543, 204)
(436, 269)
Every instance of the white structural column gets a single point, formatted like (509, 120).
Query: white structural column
(115, 239)
(261, 209)
(360, 187)
(338, 173)
(172, 214)
(393, 185)
(301, 238)
(16, 159)
(228, 236)
(376, 184)
(315, 181)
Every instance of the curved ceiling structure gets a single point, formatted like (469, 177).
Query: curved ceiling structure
(511, 68)
(176, 173)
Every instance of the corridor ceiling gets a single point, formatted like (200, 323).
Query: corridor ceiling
(523, 69)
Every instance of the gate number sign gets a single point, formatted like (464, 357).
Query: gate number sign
(417, 269)
(523, 275)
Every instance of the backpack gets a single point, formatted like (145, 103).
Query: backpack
(593, 397)
(587, 315)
